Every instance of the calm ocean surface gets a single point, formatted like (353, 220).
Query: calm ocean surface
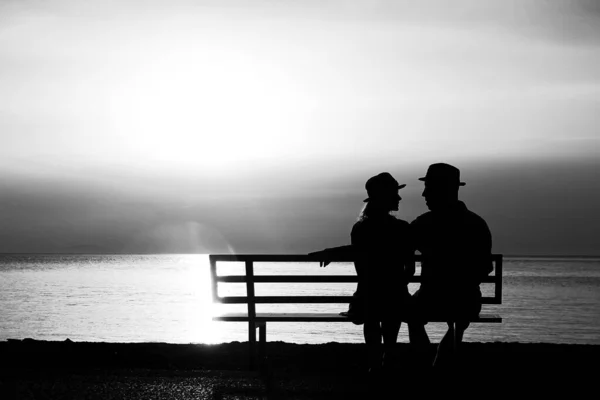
(166, 298)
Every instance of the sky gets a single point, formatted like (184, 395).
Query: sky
(252, 126)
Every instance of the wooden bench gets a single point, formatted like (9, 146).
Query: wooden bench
(259, 320)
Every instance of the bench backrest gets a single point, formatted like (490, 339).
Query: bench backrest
(249, 278)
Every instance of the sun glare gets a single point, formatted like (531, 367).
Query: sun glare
(197, 325)
(208, 108)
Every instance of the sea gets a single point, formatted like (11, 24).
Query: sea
(167, 298)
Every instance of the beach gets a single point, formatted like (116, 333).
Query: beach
(89, 370)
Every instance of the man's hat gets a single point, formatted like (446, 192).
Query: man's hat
(381, 184)
(445, 174)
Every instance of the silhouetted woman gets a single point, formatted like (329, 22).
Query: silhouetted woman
(384, 263)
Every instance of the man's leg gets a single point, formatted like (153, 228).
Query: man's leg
(419, 355)
(460, 328)
(450, 343)
(417, 314)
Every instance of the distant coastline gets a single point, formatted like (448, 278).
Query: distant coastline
(583, 256)
(537, 256)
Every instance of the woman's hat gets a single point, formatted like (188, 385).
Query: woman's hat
(381, 185)
(444, 174)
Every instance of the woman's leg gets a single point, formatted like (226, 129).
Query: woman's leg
(390, 329)
(373, 335)
(445, 349)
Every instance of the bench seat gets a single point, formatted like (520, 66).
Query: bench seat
(321, 317)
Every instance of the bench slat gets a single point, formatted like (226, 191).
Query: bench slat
(277, 258)
(285, 299)
(319, 317)
(305, 300)
(289, 278)
(309, 278)
(298, 258)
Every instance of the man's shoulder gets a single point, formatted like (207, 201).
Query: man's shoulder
(357, 225)
(475, 218)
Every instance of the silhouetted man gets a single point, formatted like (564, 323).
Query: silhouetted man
(455, 245)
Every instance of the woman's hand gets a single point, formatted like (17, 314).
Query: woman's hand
(333, 253)
(321, 255)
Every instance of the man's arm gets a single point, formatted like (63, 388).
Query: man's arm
(484, 265)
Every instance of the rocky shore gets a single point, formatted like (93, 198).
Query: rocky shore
(31, 369)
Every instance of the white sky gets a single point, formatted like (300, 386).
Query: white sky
(239, 93)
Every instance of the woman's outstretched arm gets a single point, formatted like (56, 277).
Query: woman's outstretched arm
(326, 256)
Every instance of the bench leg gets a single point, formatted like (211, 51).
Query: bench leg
(252, 344)
(262, 343)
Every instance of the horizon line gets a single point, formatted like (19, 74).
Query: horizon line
(175, 253)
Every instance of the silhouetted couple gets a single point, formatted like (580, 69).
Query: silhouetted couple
(455, 246)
